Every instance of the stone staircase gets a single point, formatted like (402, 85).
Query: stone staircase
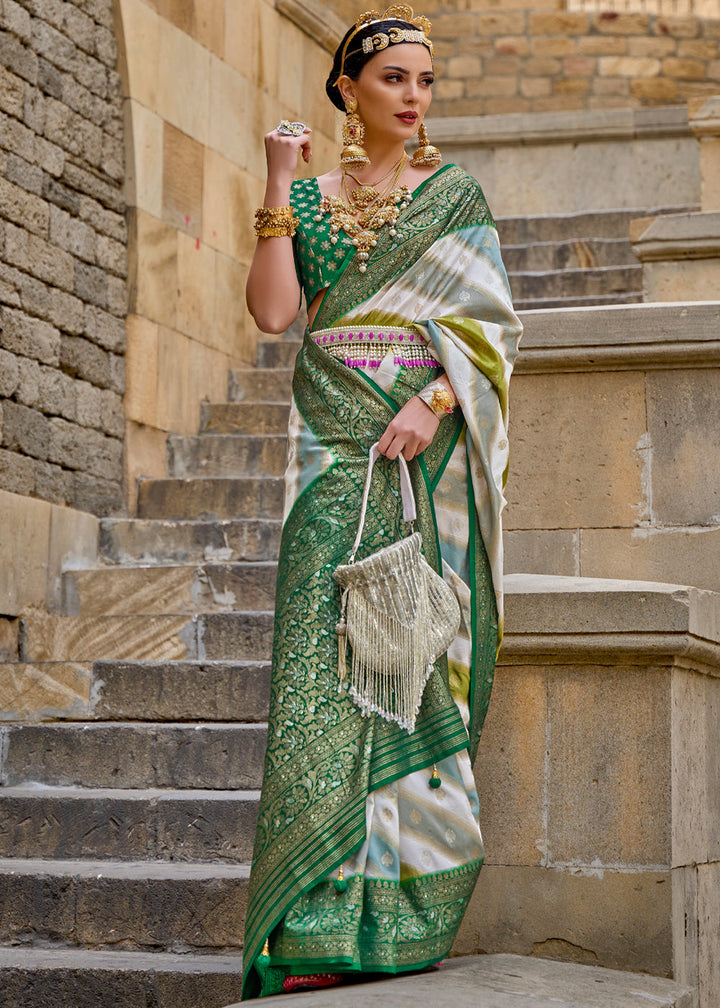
(126, 829)
(573, 260)
(126, 833)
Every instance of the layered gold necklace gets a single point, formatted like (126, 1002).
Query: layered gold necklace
(363, 210)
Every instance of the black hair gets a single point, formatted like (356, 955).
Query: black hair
(355, 58)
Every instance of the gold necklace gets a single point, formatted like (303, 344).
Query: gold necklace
(366, 192)
(363, 224)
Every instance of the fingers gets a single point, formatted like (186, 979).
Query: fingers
(410, 432)
(391, 446)
(282, 150)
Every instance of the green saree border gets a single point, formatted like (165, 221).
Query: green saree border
(373, 914)
(482, 661)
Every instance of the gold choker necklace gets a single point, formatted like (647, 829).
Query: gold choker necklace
(367, 192)
(366, 211)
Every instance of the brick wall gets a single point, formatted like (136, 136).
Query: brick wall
(543, 61)
(63, 253)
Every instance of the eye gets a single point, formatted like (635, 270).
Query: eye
(393, 77)
(428, 81)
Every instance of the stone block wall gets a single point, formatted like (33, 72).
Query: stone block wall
(597, 779)
(203, 82)
(615, 471)
(500, 61)
(63, 254)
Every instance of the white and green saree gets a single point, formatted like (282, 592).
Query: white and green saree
(342, 790)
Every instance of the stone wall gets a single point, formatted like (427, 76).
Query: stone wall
(613, 422)
(62, 254)
(495, 62)
(570, 162)
(203, 82)
(597, 776)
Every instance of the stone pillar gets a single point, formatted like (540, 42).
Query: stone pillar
(680, 253)
(598, 781)
(704, 121)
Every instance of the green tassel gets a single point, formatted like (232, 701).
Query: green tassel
(435, 781)
(340, 883)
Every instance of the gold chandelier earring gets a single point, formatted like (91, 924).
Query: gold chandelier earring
(426, 156)
(353, 155)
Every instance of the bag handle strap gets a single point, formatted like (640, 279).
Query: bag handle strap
(406, 492)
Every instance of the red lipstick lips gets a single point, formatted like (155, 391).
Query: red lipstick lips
(407, 117)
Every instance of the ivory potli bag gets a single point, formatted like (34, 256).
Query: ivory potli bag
(397, 615)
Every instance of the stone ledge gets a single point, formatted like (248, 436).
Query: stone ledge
(676, 237)
(621, 337)
(553, 618)
(313, 18)
(506, 981)
(561, 127)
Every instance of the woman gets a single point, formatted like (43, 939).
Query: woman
(368, 845)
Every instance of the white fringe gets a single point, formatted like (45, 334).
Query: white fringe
(398, 616)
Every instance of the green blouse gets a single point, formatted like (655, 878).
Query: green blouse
(318, 260)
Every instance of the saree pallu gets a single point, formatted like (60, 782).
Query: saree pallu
(341, 789)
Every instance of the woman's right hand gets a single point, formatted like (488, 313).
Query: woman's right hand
(282, 151)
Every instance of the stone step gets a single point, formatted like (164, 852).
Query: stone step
(566, 227)
(505, 981)
(260, 384)
(578, 253)
(157, 541)
(591, 301)
(244, 418)
(160, 906)
(83, 978)
(134, 691)
(211, 497)
(33, 691)
(127, 825)
(107, 591)
(128, 754)
(235, 636)
(281, 353)
(181, 691)
(228, 454)
(576, 282)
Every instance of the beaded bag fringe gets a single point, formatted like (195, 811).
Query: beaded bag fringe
(398, 616)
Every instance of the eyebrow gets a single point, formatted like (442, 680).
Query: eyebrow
(405, 71)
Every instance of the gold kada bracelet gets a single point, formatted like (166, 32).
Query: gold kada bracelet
(275, 222)
(437, 397)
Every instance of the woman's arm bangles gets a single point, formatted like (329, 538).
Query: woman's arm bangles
(275, 222)
(436, 396)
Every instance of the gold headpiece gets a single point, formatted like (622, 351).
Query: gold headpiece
(381, 40)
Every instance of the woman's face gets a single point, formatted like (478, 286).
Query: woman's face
(393, 91)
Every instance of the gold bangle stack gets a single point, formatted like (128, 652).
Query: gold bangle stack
(275, 222)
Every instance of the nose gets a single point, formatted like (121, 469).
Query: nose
(411, 92)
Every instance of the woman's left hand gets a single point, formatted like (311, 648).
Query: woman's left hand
(410, 431)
